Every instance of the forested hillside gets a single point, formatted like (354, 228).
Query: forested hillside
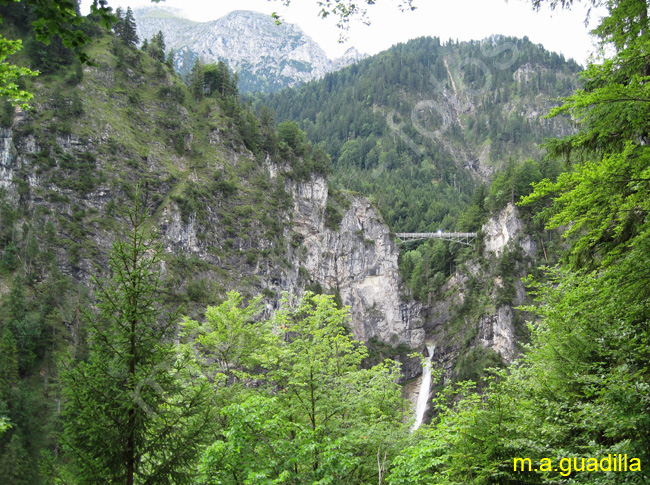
(72, 164)
(157, 238)
(575, 408)
(420, 126)
(425, 127)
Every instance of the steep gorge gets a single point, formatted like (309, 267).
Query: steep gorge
(227, 218)
(235, 207)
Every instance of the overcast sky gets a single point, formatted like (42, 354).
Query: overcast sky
(560, 31)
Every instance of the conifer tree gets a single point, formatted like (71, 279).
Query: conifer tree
(195, 80)
(132, 412)
(156, 47)
(129, 29)
(118, 27)
(8, 363)
(169, 61)
(15, 466)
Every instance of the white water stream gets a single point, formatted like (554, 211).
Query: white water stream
(425, 387)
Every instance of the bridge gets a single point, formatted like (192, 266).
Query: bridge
(459, 237)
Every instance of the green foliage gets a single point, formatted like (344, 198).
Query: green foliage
(580, 389)
(9, 73)
(472, 365)
(230, 337)
(426, 268)
(4, 425)
(156, 47)
(125, 28)
(337, 204)
(317, 416)
(573, 394)
(14, 464)
(293, 147)
(473, 439)
(379, 351)
(131, 414)
(53, 24)
(8, 364)
(512, 183)
(476, 212)
(212, 79)
(77, 172)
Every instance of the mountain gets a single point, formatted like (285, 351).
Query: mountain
(267, 57)
(236, 206)
(242, 205)
(439, 136)
(418, 127)
(102, 379)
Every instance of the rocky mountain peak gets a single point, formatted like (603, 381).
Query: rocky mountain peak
(266, 56)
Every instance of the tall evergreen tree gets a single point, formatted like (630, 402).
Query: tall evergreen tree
(8, 363)
(132, 414)
(15, 466)
(169, 60)
(129, 29)
(118, 27)
(195, 80)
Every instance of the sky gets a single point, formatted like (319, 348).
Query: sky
(562, 31)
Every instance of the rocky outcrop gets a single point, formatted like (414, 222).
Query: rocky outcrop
(475, 308)
(6, 157)
(355, 257)
(496, 331)
(358, 259)
(501, 230)
(505, 231)
(350, 56)
(266, 56)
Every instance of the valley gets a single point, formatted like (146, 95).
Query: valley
(227, 264)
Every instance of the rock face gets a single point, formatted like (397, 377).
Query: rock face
(6, 157)
(456, 324)
(499, 231)
(497, 332)
(267, 57)
(505, 231)
(359, 260)
(356, 258)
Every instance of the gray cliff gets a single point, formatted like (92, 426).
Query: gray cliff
(266, 56)
(359, 260)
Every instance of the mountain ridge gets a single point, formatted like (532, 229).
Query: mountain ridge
(266, 56)
(427, 114)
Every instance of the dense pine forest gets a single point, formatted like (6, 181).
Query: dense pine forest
(450, 113)
(158, 320)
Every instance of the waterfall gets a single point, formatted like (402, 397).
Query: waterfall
(425, 387)
(6, 157)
